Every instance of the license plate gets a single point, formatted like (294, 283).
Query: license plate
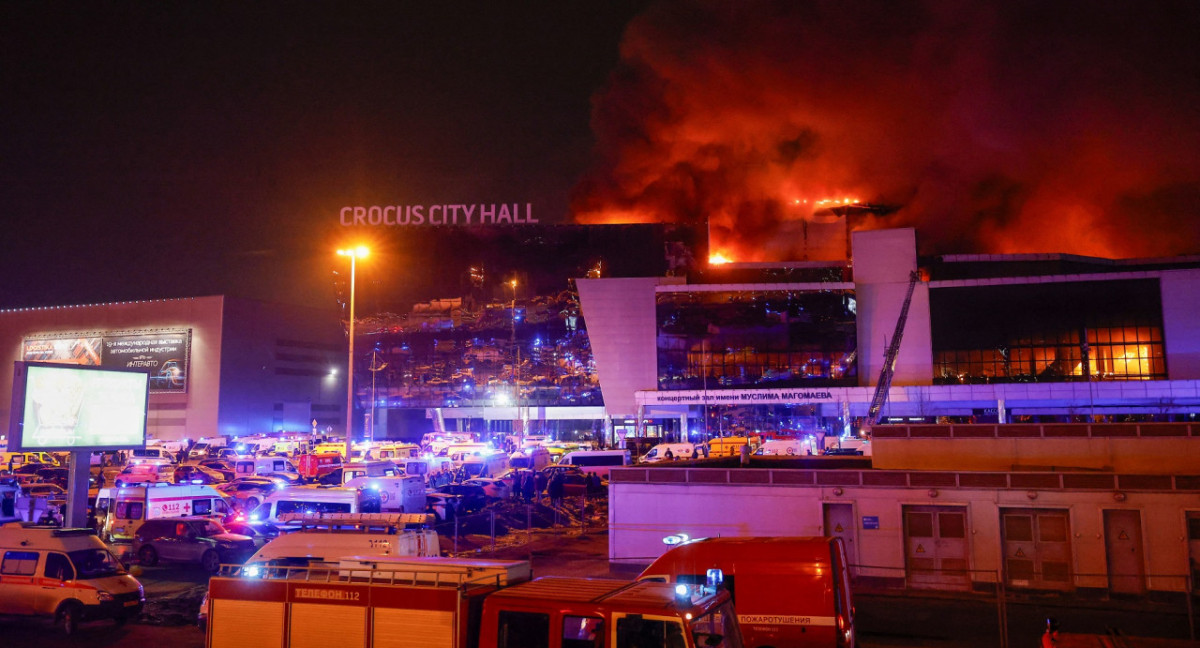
(130, 603)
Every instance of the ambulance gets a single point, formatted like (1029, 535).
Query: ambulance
(121, 511)
(66, 574)
(788, 592)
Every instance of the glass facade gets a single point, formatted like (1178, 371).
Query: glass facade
(1048, 332)
(537, 355)
(748, 339)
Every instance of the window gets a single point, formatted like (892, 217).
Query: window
(59, 567)
(201, 506)
(19, 563)
(523, 630)
(635, 631)
(130, 510)
(1058, 332)
(582, 632)
(724, 340)
(312, 507)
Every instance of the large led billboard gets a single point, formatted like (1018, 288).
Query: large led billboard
(72, 407)
(162, 354)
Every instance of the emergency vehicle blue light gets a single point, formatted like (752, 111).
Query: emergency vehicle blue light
(681, 590)
(253, 571)
(197, 481)
(678, 538)
(714, 578)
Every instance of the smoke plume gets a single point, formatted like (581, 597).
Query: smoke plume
(1001, 127)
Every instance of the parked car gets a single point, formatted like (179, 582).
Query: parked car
(250, 491)
(492, 487)
(222, 466)
(43, 489)
(290, 478)
(146, 473)
(196, 474)
(470, 498)
(199, 540)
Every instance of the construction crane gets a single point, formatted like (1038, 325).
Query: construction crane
(889, 358)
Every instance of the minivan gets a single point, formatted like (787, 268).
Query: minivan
(67, 574)
(596, 461)
(314, 499)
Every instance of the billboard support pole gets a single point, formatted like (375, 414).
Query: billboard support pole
(75, 517)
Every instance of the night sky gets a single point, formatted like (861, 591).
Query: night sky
(175, 149)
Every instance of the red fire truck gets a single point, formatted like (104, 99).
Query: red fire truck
(789, 592)
(317, 465)
(446, 602)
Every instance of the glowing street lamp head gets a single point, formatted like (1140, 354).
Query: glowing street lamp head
(359, 252)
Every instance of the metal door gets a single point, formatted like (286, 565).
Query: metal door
(935, 540)
(1037, 548)
(1123, 548)
(1193, 534)
(839, 522)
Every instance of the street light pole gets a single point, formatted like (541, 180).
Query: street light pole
(359, 252)
(516, 368)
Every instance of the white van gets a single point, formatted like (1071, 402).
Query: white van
(486, 465)
(250, 466)
(785, 447)
(358, 469)
(460, 452)
(330, 537)
(314, 499)
(397, 493)
(67, 574)
(533, 458)
(121, 511)
(396, 451)
(679, 451)
(596, 461)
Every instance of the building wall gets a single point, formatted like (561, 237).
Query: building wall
(883, 261)
(703, 503)
(170, 416)
(283, 367)
(1134, 449)
(1181, 303)
(620, 318)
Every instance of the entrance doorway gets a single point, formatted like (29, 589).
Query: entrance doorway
(1124, 553)
(935, 542)
(1037, 548)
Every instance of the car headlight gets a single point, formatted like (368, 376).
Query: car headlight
(105, 596)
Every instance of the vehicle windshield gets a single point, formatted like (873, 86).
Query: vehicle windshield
(95, 563)
(212, 528)
(717, 629)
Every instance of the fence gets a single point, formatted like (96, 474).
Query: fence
(516, 522)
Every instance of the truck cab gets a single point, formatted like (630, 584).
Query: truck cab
(559, 612)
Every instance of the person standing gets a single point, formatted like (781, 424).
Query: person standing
(745, 455)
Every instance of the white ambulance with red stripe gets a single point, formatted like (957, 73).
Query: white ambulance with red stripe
(121, 511)
(67, 574)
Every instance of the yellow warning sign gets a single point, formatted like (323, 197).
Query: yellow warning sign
(1122, 535)
(920, 548)
(838, 528)
(1020, 553)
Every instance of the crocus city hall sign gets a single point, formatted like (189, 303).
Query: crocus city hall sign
(408, 215)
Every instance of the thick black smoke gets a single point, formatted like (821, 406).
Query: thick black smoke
(995, 126)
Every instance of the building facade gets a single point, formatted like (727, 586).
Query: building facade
(218, 365)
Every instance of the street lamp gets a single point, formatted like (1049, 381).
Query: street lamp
(520, 423)
(355, 253)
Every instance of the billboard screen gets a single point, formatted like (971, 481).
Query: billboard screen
(72, 407)
(162, 354)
